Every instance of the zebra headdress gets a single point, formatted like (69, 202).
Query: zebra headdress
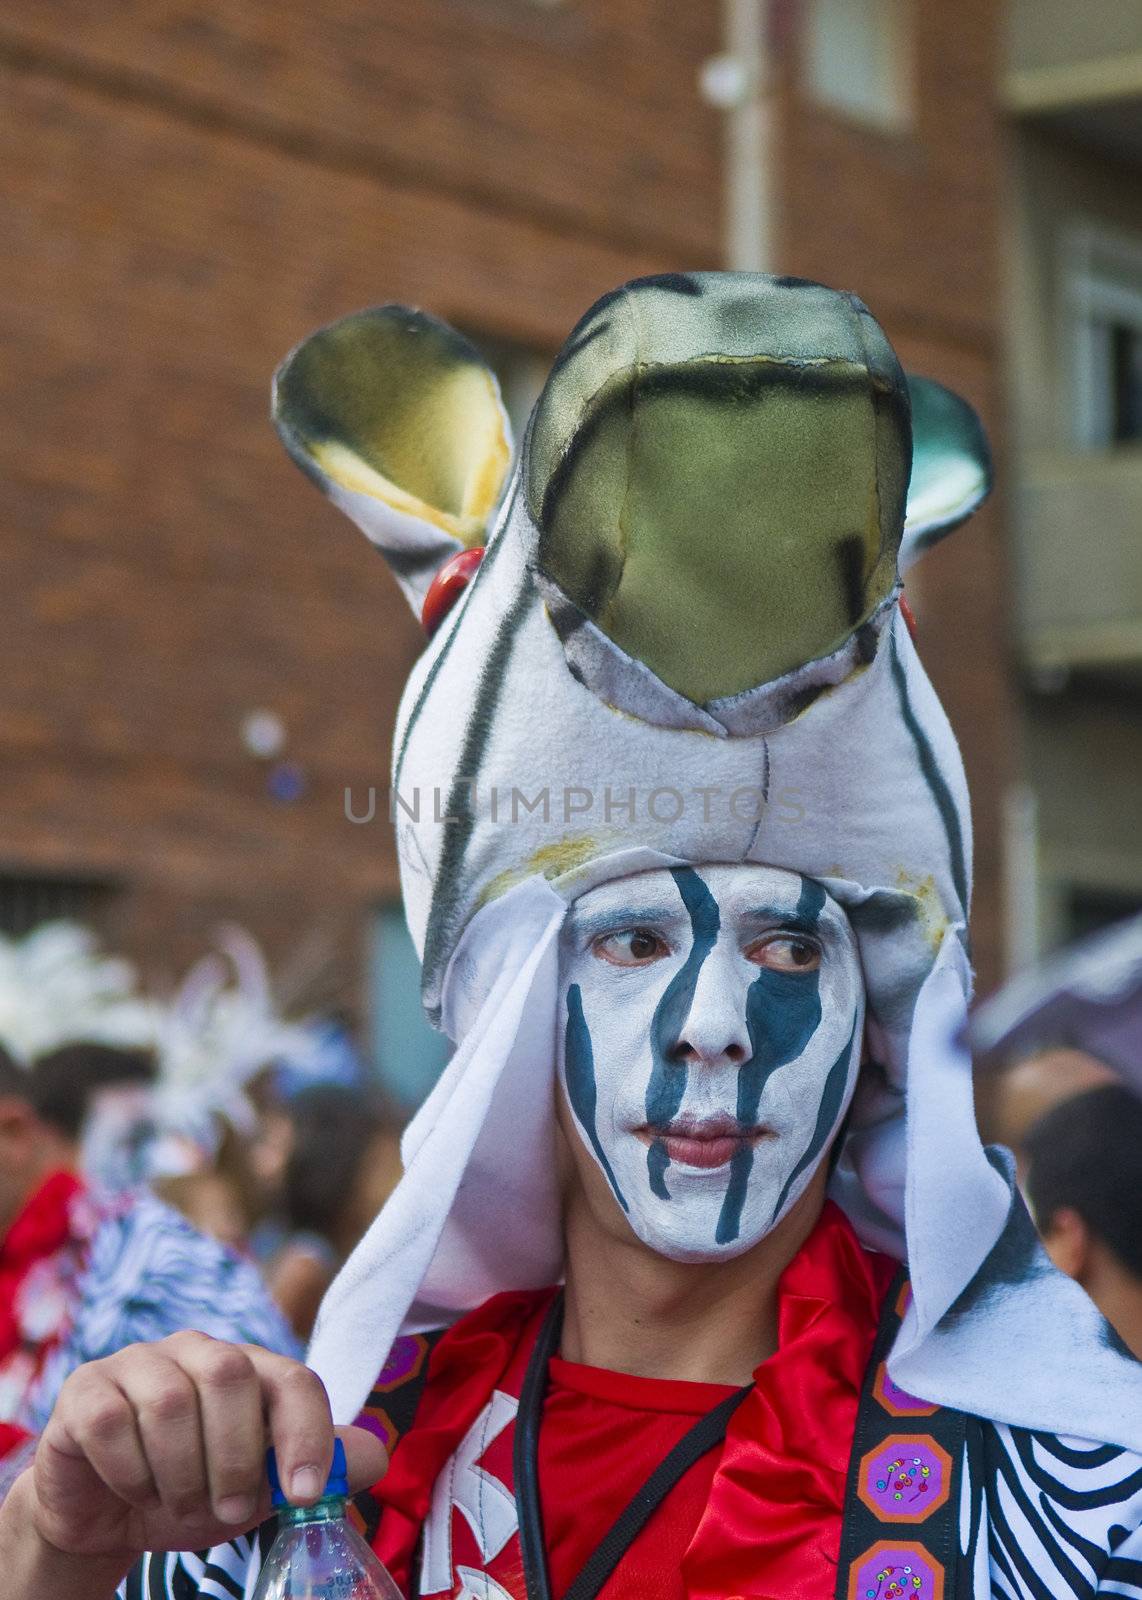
(683, 646)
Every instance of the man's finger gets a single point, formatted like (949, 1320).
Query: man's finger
(301, 1427)
(233, 1427)
(96, 1416)
(165, 1402)
(366, 1459)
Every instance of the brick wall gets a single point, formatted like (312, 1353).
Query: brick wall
(189, 190)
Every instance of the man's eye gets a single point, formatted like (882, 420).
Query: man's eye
(631, 947)
(784, 952)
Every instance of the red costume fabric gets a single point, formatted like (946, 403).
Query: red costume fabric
(41, 1258)
(761, 1518)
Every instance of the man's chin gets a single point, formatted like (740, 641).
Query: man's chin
(685, 1227)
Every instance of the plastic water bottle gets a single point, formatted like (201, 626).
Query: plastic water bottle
(317, 1555)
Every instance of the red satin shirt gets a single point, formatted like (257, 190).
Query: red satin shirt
(603, 1434)
(759, 1519)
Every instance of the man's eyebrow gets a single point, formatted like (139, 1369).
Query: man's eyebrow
(593, 923)
(782, 917)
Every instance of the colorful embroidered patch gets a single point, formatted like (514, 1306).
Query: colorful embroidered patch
(405, 1361)
(905, 1479)
(892, 1571)
(376, 1420)
(902, 1484)
(403, 1368)
(389, 1411)
(897, 1401)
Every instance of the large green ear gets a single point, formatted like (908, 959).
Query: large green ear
(398, 419)
(716, 469)
(951, 467)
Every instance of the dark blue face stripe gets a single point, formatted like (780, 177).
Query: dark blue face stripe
(579, 1064)
(657, 1162)
(668, 1075)
(810, 905)
(783, 1012)
(730, 1216)
(831, 1102)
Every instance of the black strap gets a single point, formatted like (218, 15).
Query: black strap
(928, 1548)
(525, 1455)
(707, 1432)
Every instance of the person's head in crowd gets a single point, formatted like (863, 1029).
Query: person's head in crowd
(1011, 1101)
(45, 1106)
(343, 1166)
(1084, 1183)
(343, 1163)
(217, 1195)
(331, 1058)
(224, 1046)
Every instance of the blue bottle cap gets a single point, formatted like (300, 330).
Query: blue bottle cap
(337, 1482)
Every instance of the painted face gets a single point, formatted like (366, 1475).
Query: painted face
(709, 1044)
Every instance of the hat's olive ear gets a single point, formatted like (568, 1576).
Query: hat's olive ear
(399, 421)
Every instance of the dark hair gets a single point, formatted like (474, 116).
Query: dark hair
(1086, 1154)
(333, 1129)
(60, 1084)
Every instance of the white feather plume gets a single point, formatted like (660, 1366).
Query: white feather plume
(57, 988)
(220, 1030)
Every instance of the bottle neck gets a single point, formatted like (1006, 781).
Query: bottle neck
(330, 1508)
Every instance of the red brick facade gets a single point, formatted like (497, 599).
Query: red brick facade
(189, 190)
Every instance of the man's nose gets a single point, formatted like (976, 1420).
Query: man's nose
(714, 1030)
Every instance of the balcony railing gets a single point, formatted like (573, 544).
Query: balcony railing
(1061, 55)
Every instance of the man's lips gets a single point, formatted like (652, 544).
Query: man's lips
(708, 1143)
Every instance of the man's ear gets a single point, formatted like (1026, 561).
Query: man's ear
(1068, 1242)
(398, 419)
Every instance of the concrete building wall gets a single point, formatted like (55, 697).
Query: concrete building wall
(1053, 186)
(1074, 213)
(1054, 34)
(907, 216)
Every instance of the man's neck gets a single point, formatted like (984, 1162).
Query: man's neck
(1117, 1293)
(631, 1310)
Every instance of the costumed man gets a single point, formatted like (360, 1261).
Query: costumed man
(85, 1271)
(733, 1301)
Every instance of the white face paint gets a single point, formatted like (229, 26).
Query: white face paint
(710, 1039)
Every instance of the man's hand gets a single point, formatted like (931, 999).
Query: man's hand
(162, 1447)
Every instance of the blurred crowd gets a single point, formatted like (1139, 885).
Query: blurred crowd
(196, 1160)
(204, 1160)
(1075, 1129)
